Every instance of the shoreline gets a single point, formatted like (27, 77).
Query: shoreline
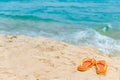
(39, 58)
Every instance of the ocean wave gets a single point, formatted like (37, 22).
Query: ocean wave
(103, 43)
(70, 34)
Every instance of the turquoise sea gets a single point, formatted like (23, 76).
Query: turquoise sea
(79, 22)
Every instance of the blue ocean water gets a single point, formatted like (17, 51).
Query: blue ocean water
(79, 22)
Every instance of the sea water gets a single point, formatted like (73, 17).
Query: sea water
(79, 22)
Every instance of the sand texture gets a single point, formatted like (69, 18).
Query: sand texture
(39, 58)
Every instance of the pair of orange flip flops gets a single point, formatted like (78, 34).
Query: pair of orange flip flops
(101, 66)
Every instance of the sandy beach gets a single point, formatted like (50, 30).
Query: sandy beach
(39, 58)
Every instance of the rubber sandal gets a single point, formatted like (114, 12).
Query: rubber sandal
(101, 67)
(86, 64)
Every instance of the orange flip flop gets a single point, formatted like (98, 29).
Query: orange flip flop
(86, 64)
(101, 67)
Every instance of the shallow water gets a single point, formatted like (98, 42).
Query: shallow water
(82, 22)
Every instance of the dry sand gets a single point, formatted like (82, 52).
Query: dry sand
(27, 58)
